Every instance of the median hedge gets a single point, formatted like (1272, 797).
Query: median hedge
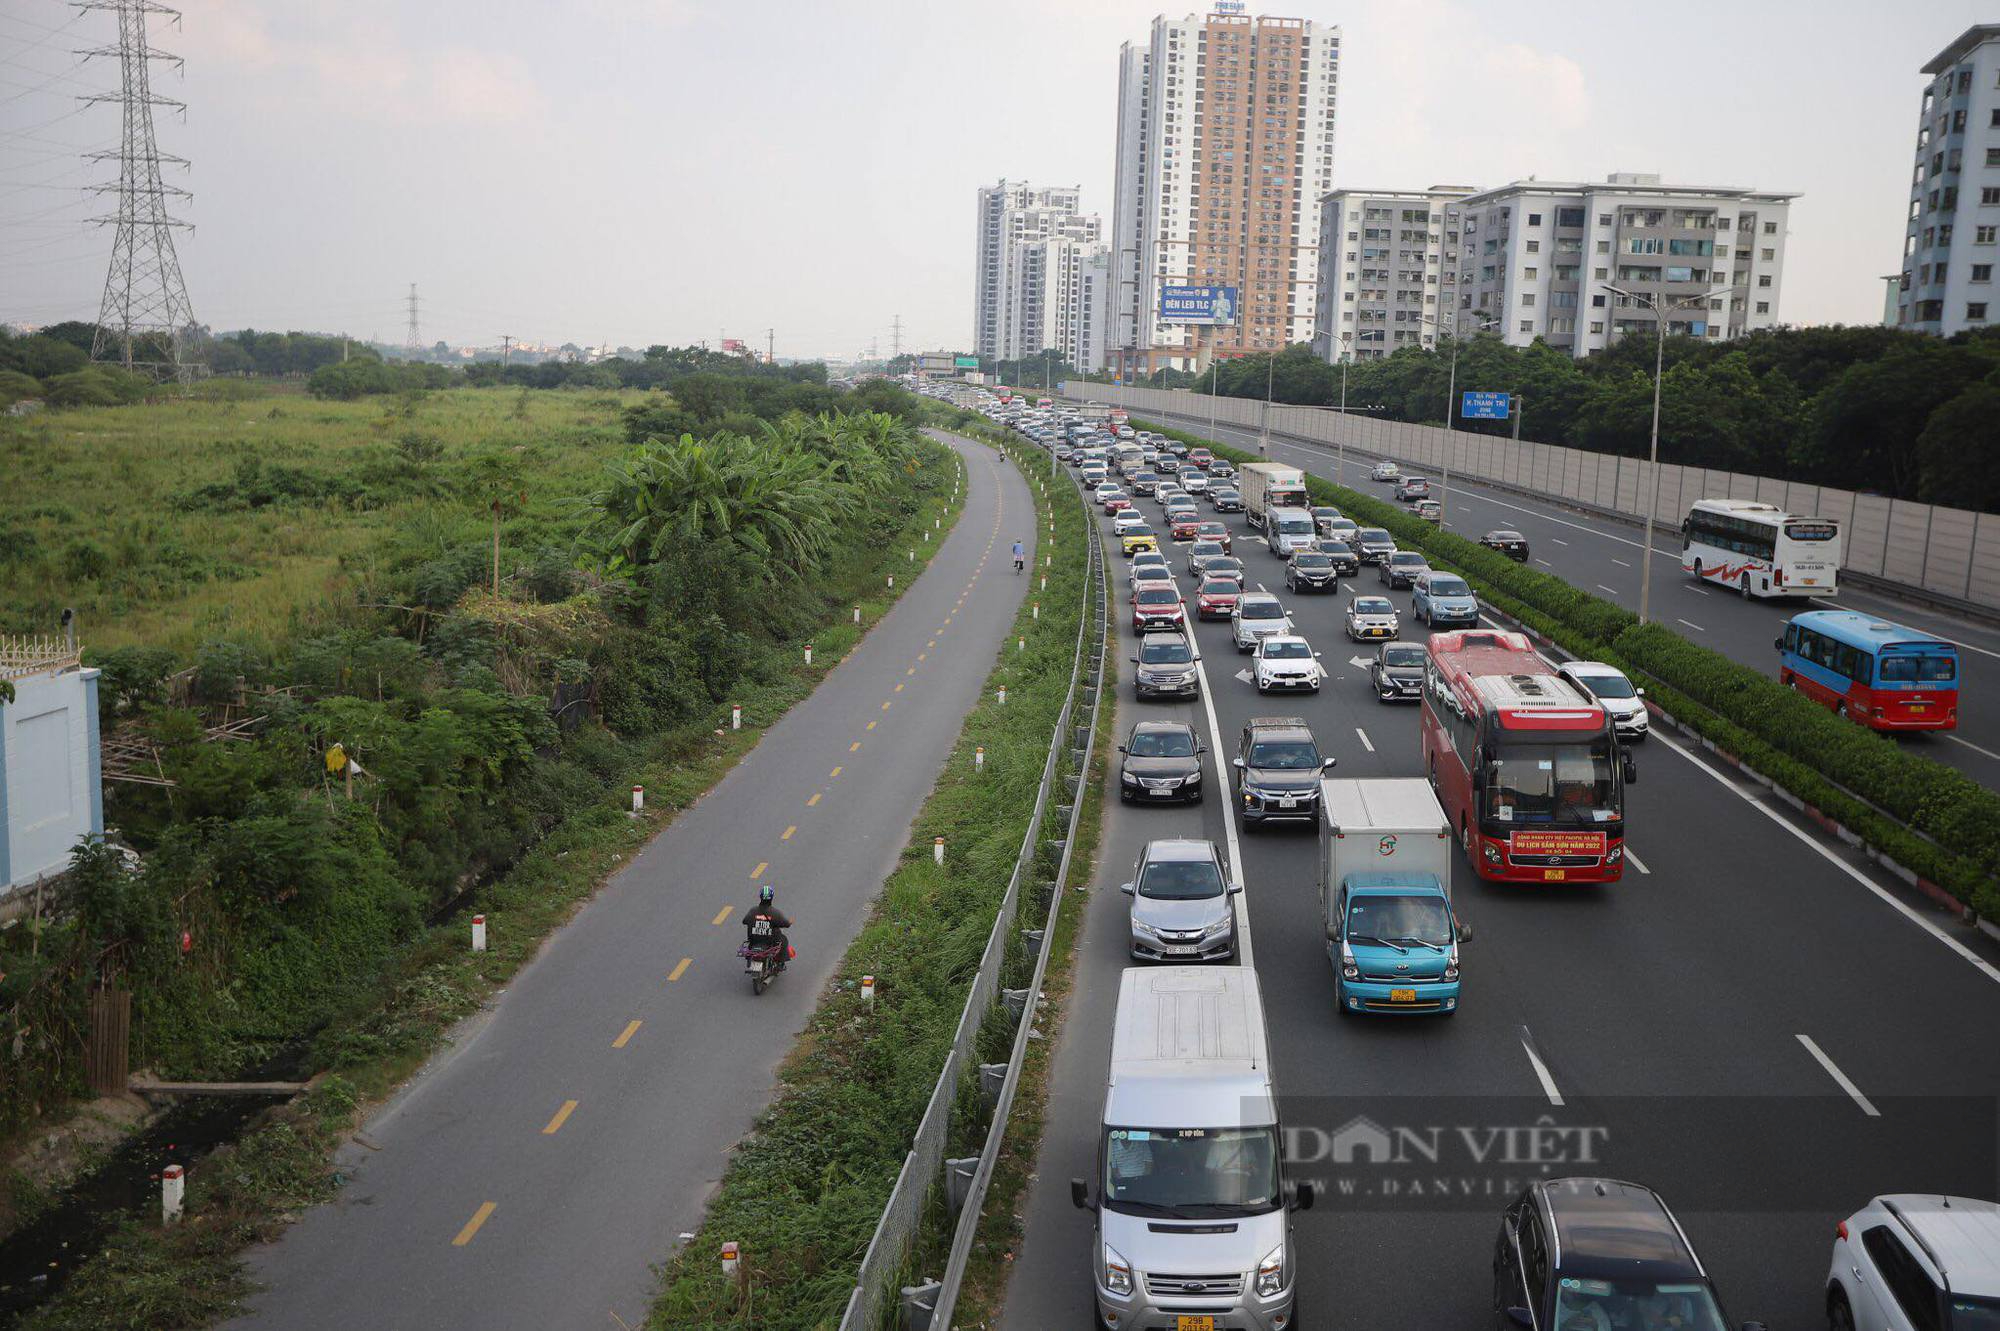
(1926, 816)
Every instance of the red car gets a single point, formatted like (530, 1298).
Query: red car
(1200, 457)
(1216, 598)
(1184, 528)
(1156, 607)
(1116, 504)
(1213, 531)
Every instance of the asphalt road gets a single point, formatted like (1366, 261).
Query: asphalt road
(1670, 1014)
(1604, 557)
(531, 1175)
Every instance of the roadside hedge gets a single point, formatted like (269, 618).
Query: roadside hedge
(1862, 779)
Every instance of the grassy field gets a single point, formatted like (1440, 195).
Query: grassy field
(246, 513)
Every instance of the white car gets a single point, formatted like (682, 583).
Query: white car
(1152, 575)
(1194, 482)
(1901, 1260)
(1103, 489)
(1385, 471)
(1286, 661)
(1372, 619)
(1127, 521)
(1257, 615)
(1614, 693)
(1148, 559)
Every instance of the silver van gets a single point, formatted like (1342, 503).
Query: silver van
(1291, 530)
(1194, 1217)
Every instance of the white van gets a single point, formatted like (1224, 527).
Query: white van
(1289, 531)
(1194, 1217)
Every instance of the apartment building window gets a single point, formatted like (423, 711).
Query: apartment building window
(1604, 219)
(1763, 279)
(1975, 311)
(1534, 219)
(1645, 245)
(1600, 273)
(1982, 272)
(1534, 247)
(1527, 325)
(1983, 235)
(1763, 307)
(1993, 157)
(1604, 247)
(1597, 302)
(1527, 298)
(1722, 251)
(1596, 326)
(1722, 224)
(1572, 217)
(1989, 194)
(1767, 255)
(1530, 274)
(1770, 228)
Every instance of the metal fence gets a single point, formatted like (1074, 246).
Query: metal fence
(1949, 553)
(926, 1166)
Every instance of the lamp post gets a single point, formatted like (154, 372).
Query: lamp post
(1651, 301)
(1264, 428)
(1214, 373)
(1339, 448)
(1451, 406)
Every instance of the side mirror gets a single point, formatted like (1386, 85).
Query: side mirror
(1779, 642)
(1631, 771)
(1302, 1196)
(1237, 763)
(1133, 659)
(1464, 930)
(1329, 764)
(1129, 889)
(1197, 656)
(1235, 888)
(1079, 1195)
(1753, 1326)
(1121, 747)
(1640, 692)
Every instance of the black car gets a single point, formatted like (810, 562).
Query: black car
(1311, 571)
(1345, 562)
(1167, 463)
(1278, 769)
(1162, 764)
(1585, 1252)
(1509, 543)
(1226, 500)
(1400, 568)
(1397, 672)
(1166, 668)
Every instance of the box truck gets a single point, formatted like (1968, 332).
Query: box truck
(1267, 485)
(1385, 861)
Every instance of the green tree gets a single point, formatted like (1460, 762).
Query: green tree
(1958, 453)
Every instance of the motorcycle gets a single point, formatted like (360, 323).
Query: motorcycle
(764, 963)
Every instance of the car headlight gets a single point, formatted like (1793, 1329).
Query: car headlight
(1117, 1271)
(1271, 1272)
(1492, 853)
(1617, 855)
(1141, 927)
(1451, 965)
(1193, 778)
(1129, 779)
(1348, 970)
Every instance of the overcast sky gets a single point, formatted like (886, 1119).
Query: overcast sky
(673, 170)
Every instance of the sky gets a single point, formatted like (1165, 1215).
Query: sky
(675, 171)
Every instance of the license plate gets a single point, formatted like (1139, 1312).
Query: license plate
(1402, 995)
(1554, 875)
(1192, 1322)
(1920, 707)
(1179, 951)
(1288, 803)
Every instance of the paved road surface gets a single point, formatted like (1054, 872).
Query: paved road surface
(529, 1177)
(1667, 1009)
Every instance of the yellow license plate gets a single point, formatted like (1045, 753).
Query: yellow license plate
(1402, 995)
(1194, 1322)
(1554, 875)
(1920, 707)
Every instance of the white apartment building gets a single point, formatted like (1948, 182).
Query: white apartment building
(1097, 311)
(1031, 244)
(1953, 232)
(1535, 258)
(1388, 262)
(1225, 146)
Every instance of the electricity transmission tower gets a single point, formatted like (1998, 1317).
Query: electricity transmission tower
(896, 338)
(413, 344)
(144, 319)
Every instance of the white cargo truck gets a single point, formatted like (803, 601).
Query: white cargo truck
(1267, 485)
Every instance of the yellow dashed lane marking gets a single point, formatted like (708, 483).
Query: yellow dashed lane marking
(472, 1225)
(814, 800)
(871, 725)
(856, 744)
(625, 1036)
(758, 872)
(835, 772)
(555, 1124)
(722, 916)
(788, 833)
(680, 970)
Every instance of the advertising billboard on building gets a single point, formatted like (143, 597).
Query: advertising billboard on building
(1198, 305)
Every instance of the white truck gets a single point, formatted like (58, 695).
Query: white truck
(1385, 861)
(1267, 485)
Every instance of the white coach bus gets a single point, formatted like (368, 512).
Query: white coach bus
(1760, 550)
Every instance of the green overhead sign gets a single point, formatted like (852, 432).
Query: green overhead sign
(967, 362)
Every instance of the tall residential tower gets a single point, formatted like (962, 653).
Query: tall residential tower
(1033, 246)
(1953, 233)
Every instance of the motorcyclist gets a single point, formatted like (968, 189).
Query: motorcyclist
(767, 924)
(1020, 557)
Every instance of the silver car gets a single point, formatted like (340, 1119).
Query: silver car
(1181, 903)
(1257, 615)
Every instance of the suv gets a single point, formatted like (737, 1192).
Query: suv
(1412, 488)
(1916, 1261)
(1401, 568)
(1597, 1252)
(1183, 906)
(1614, 692)
(1385, 471)
(1345, 562)
(1285, 661)
(1257, 615)
(1162, 762)
(1166, 667)
(1373, 544)
(1444, 599)
(1311, 571)
(1278, 770)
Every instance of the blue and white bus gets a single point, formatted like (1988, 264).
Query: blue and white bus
(1883, 675)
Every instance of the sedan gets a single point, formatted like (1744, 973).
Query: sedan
(1220, 471)
(1371, 617)
(1155, 607)
(1509, 543)
(1345, 562)
(1385, 471)
(1201, 457)
(1115, 502)
(1285, 661)
(1216, 598)
(1229, 566)
(1168, 463)
(1184, 525)
(1226, 499)
(1397, 672)
(1216, 531)
(1311, 571)
(1614, 693)
(1162, 763)
(1200, 553)
(1148, 559)
(1166, 667)
(1443, 600)
(1183, 905)
(1402, 568)
(1194, 482)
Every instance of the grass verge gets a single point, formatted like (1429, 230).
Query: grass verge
(804, 1191)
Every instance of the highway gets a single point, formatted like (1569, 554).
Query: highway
(1750, 1021)
(1602, 556)
(534, 1172)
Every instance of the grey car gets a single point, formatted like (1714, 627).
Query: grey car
(1183, 904)
(1444, 600)
(1397, 672)
(1161, 764)
(1401, 568)
(1278, 770)
(1226, 499)
(1166, 667)
(1373, 544)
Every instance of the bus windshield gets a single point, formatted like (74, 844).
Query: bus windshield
(1937, 669)
(1566, 784)
(1191, 1172)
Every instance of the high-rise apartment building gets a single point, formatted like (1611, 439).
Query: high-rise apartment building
(1953, 233)
(1032, 244)
(1097, 311)
(1388, 269)
(1225, 145)
(1535, 258)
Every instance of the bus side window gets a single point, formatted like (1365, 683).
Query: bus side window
(1850, 662)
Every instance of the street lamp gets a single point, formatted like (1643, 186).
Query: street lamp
(1484, 324)
(1339, 452)
(1264, 427)
(1651, 301)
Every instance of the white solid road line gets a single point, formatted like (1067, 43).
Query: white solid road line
(1633, 859)
(1698, 591)
(1244, 955)
(1974, 747)
(1853, 1091)
(1613, 590)
(1696, 627)
(1366, 743)
(1541, 1069)
(1901, 907)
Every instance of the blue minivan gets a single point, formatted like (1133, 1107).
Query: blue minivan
(1395, 945)
(1443, 600)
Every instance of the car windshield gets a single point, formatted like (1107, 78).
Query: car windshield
(1226, 564)
(1406, 558)
(1503, 536)
(1181, 880)
(1449, 587)
(1398, 919)
(1162, 744)
(1219, 587)
(1403, 655)
(1260, 610)
(1607, 685)
(1683, 1304)
(1374, 536)
(1205, 549)
(1326, 512)
(1336, 548)
(1214, 528)
(1905, 669)
(1295, 526)
(1373, 605)
(1157, 596)
(1165, 651)
(1282, 650)
(1969, 1314)
(1191, 1172)
(1311, 559)
(1285, 755)
(1553, 783)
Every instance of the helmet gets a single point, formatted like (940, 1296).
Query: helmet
(764, 894)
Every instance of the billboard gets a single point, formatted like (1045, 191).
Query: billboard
(967, 362)
(1485, 406)
(1198, 305)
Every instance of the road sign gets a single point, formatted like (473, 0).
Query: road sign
(1198, 305)
(1485, 406)
(966, 362)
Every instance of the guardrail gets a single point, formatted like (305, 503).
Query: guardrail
(965, 1180)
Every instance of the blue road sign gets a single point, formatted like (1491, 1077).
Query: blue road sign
(1484, 406)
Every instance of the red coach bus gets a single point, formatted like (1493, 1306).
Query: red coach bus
(1528, 769)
